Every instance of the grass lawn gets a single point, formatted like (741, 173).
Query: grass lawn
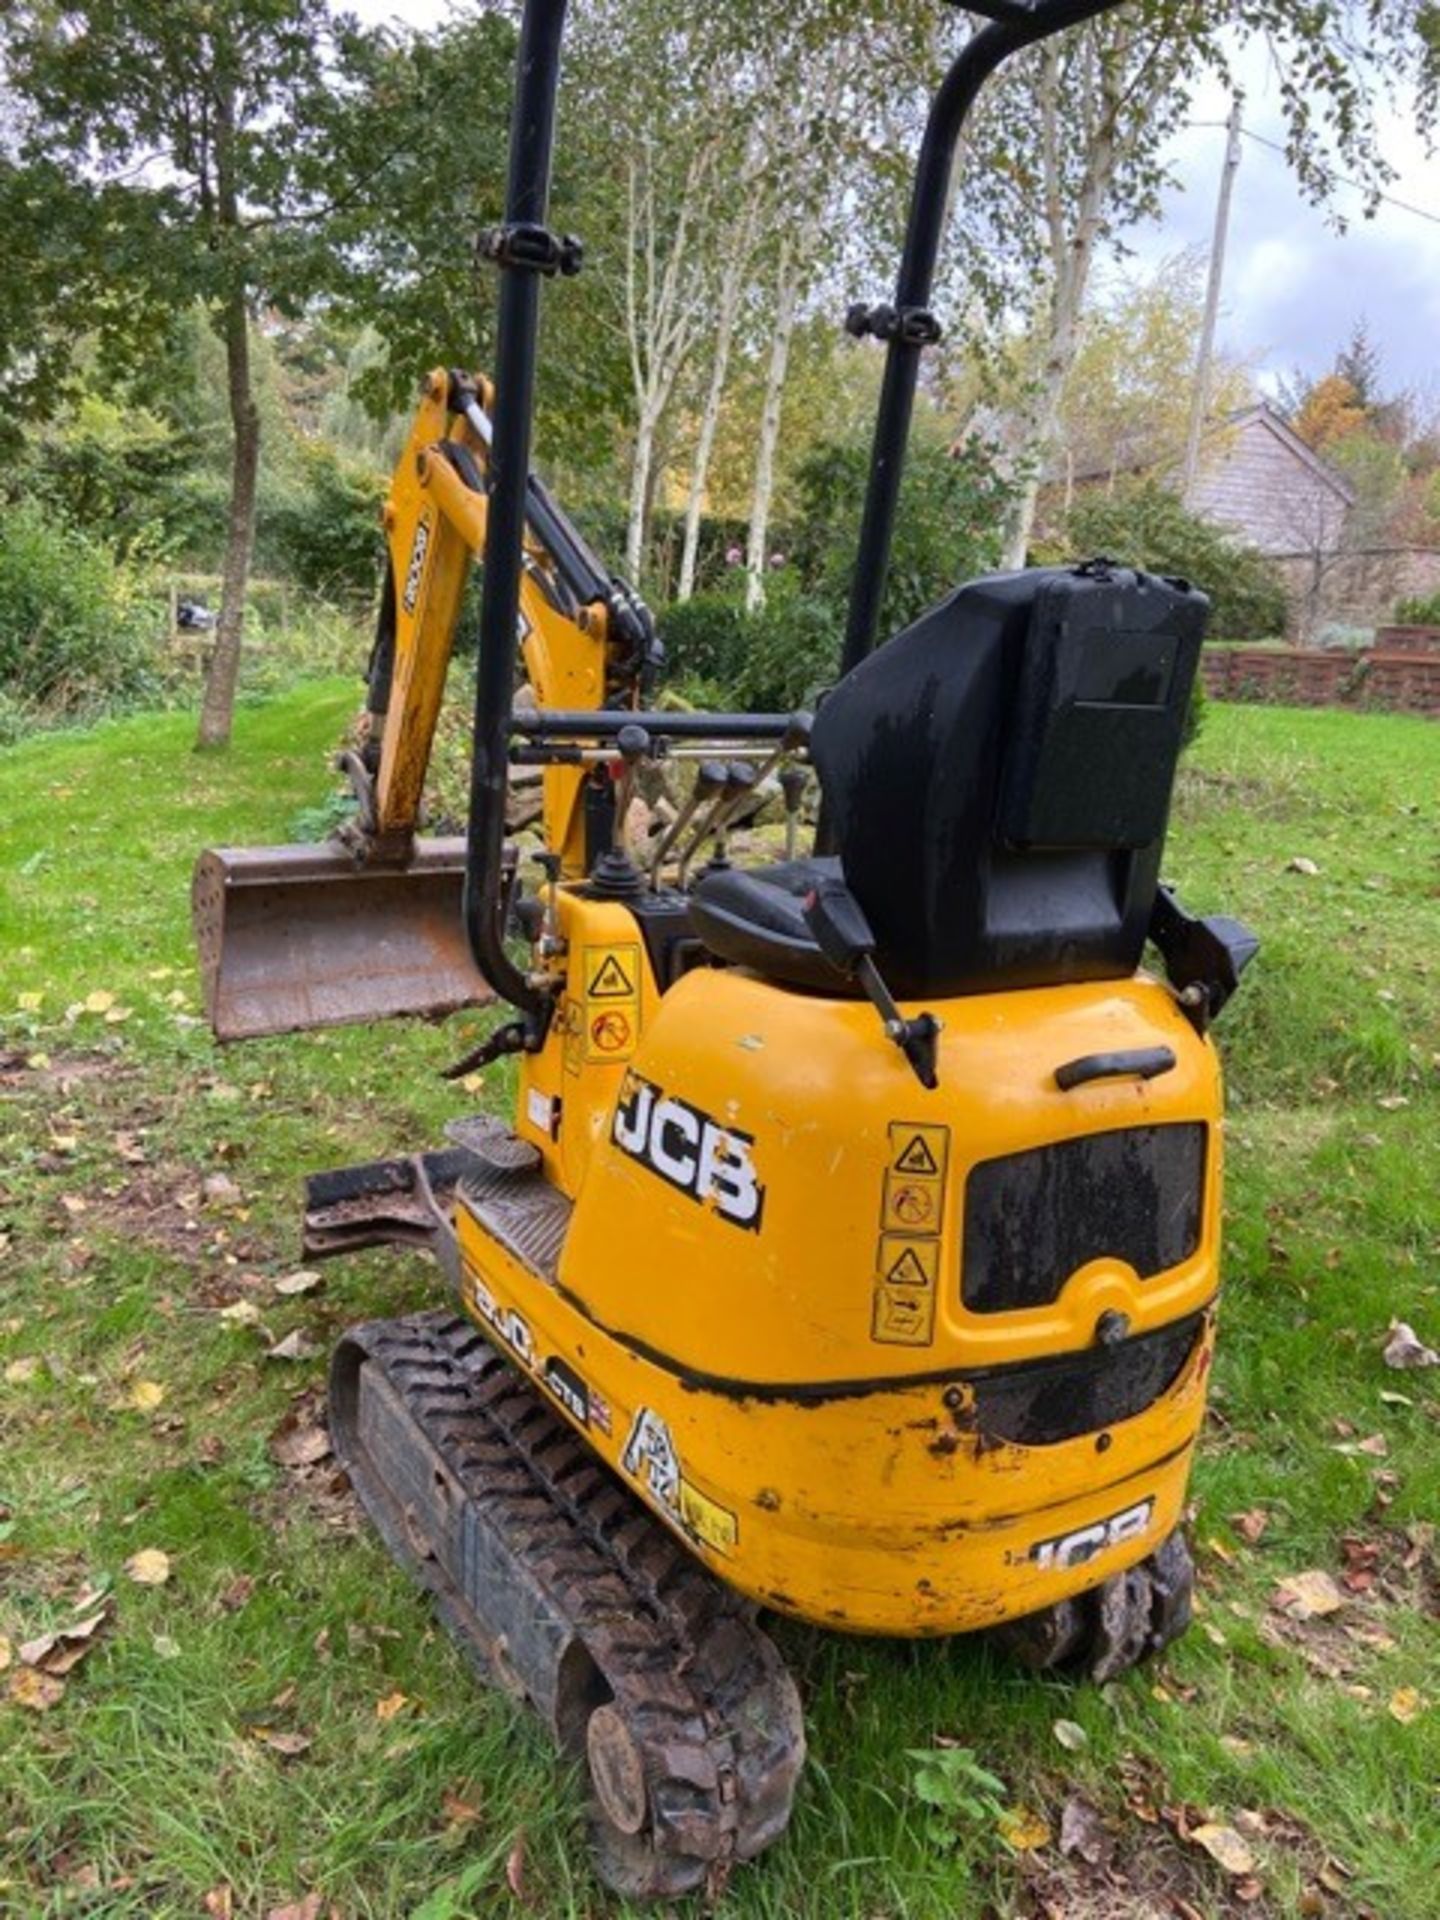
(279, 1717)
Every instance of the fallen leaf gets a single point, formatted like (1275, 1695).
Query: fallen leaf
(1251, 1524)
(1023, 1830)
(115, 1016)
(459, 1811)
(220, 1189)
(1225, 1846)
(146, 1395)
(1307, 1596)
(165, 1648)
(99, 1001)
(288, 1745)
(392, 1704)
(295, 1346)
(34, 1690)
(299, 1446)
(21, 1370)
(220, 1903)
(1392, 1102)
(237, 1594)
(1083, 1831)
(1071, 1735)
(66, 1647)
(29, 1002)
(7, 1653)
(1404, 1348)
(305, 1280)
(243, 1313)
(1405, 1705)
(515, 1869)
(150, 1567)
(306, 1909)
(1302, 864)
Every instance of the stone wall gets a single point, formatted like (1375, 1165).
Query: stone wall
(1358, 589)
(1391, 681)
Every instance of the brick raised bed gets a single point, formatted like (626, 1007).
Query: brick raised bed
(1402, 678)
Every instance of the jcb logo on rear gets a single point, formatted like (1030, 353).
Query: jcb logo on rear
(693, 1152)
(1074, 1549)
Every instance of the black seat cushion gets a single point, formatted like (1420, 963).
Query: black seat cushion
(997, 780)
(756, 919)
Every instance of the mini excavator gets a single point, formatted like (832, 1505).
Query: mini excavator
(853, 1252)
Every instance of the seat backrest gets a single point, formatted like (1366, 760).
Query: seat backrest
(999, 776)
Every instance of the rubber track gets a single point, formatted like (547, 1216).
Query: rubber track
(702, 1690)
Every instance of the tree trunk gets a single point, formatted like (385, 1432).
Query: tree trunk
(763, 493)
(218, 706)
(638, 516)
(731, 288)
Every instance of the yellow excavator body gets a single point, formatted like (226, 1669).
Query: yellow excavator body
(752, 1297)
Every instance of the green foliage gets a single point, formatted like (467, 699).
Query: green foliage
(952, 1786)
(1421, 610)
(772, 660)
(952, 511)
(75, 631)
(325, 531)
(1143, 524)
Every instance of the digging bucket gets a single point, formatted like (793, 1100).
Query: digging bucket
(303, 936)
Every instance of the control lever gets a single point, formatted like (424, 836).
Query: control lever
(714, 777)
(741, 780)
(793, 782)
(633, 745)
(709, 779)
(843, 935)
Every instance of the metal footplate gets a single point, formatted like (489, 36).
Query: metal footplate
(565, 1591)
(1112, 1628)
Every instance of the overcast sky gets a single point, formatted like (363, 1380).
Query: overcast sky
(1293, 286)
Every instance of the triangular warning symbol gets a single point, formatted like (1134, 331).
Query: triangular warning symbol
(611, 981)
(907, 1271)
(917, 1157)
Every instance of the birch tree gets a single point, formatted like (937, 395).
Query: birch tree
(1095, 108)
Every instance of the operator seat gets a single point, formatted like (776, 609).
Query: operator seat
(998, 780)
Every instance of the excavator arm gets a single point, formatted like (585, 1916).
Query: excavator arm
(370, 924)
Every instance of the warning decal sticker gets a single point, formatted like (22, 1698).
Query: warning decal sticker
(610, 1025)
(907, 1257)
(611, 980)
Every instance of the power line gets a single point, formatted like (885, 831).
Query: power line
(1389, 199)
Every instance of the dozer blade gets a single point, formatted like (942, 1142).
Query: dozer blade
(303, 936)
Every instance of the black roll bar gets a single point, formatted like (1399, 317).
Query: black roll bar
(1014, 24)
(525, 253)
(527, 199)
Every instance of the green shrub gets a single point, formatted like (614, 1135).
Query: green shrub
(325, 532)
(1421, 610)
(949, 527)
(769, 661)
(704, 640)
(76, 631)
(1144, 525)
(792, 650)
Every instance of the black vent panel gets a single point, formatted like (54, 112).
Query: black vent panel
(1046, 1402)
(1032, 1219)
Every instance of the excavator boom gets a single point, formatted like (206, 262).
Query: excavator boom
(370, 924)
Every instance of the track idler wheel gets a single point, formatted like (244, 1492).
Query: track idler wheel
(1103, 1633)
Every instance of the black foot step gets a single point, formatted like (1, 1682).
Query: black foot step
(493, 1144)
(678, 1704)
(523, 1211)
